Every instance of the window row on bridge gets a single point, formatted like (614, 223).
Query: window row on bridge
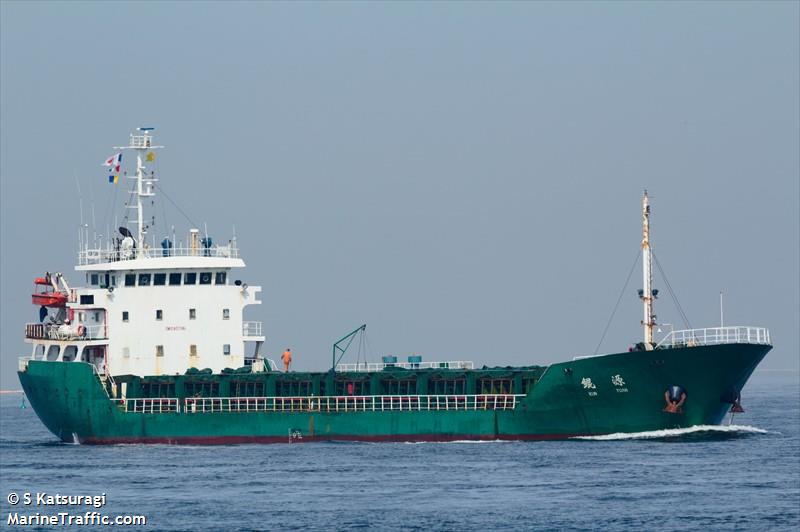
(175, 278)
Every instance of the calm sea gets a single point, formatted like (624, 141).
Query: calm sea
(742, 477)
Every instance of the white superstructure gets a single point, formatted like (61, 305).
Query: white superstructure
(148, 310)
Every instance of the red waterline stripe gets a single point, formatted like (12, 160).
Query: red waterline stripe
(229, 440)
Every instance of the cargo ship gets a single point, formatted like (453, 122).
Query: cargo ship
(155, 349)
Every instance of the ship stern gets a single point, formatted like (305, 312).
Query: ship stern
(65, 396)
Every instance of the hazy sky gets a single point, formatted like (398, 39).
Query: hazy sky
(463, 177)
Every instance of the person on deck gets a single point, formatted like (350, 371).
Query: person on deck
(287, 359)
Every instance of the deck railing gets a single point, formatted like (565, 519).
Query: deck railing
(52, 331)
(367, 403)
(100, 255)
(380, 366)
(251, 328)
(716, 336)
(154, 405)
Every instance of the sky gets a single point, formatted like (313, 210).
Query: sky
(464, 178)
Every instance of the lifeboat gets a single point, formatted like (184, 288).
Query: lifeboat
(45, 295)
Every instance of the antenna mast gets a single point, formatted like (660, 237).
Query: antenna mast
(141, 142)
(647, 294)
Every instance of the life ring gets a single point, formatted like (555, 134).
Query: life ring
(81, 330)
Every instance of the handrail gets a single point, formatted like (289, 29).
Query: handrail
(352, 403)
(348, 403)
(62, 331)
(716, 336)
(251, 328)
(380, 366)
(101, 255)
(149, 405)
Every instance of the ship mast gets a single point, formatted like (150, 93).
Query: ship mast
(647, 294)
(141, 142)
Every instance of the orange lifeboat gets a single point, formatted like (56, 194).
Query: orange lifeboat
(45, 295)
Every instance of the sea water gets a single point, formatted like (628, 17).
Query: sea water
(742, 476)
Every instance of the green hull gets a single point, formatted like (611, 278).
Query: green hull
(74, 405)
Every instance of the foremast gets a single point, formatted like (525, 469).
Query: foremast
(647, 294)
(142, 142)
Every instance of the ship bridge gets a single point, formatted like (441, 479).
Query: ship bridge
(149, 306)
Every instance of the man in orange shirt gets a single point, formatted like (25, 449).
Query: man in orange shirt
(287, 359)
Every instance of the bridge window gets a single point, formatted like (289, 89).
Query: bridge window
(94, 280)
(226, 349)
(220, 278)
(192, 313)
(159, 279)
(190, 278)
(175, 278)
(159, 350)
(159, 314)
(130, 279)
(125, 315)
(144, 279)
(226, 314)
(87, 300)
(205, 277)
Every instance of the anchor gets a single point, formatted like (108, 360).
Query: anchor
(734, 397)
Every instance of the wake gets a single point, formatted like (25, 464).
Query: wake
(710, 430)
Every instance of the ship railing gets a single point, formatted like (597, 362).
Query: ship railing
(101, 255)
(149, 405)
(716, 336)
(380, 366)
(251, 328)
(349, 403)
(54, 331)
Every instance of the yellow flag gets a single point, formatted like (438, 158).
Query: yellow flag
(151, 156)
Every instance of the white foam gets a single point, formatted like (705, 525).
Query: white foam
(456, 442)
(668, 433)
